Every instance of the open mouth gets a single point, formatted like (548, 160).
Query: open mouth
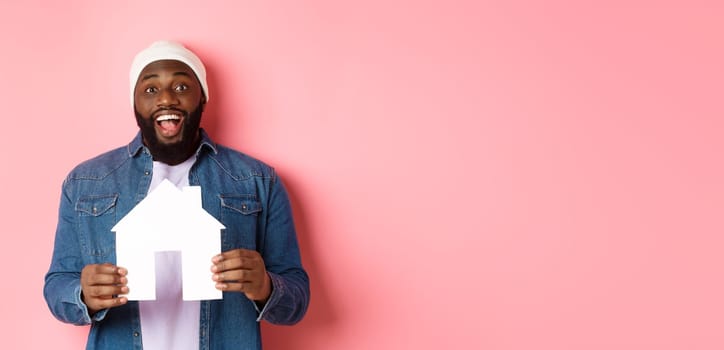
(169, 124)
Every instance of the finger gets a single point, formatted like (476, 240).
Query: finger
(233, 286)
(103, 269)
(105, 303)
(237, 263)
(225, 256)
(238, 276)
(235, 253)
(251, 290)
(107, 279)
(105, 291)
(107, 268)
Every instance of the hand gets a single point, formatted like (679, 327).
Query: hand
(242, 270)
(100, 285)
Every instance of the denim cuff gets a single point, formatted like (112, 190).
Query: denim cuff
(87, 319)
(276, 286)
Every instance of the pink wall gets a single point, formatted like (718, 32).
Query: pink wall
(465, 174)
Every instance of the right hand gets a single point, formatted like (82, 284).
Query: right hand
(100, 286)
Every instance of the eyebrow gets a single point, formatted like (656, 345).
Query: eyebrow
(149, 76)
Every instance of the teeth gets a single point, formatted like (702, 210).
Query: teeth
(167, 117)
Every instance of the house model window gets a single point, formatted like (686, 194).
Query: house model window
(169, 219)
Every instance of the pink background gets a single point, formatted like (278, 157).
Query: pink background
(465, 174)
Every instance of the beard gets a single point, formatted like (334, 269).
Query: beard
(177, 152)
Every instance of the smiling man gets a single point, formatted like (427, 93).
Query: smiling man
(168, 104)
(259, 269)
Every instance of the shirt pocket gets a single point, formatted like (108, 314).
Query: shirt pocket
(96, 217)
(240, 214)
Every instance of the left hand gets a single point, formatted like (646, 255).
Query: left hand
(242, 270)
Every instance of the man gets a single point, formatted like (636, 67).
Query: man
(259, 269)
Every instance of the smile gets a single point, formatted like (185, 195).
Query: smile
(168, 117)
(169, 124)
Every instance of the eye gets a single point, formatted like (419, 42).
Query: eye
(181, 87)
(150, 90)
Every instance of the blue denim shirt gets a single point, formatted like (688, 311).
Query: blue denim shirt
(242, 193)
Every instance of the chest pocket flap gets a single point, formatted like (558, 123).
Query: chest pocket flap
(96, 205)
(244, 204)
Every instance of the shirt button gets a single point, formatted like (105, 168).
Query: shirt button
(95, 210)
(135, 334)
(147, 172)
(243, 206)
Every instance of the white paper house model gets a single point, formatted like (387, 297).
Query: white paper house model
(169, 219)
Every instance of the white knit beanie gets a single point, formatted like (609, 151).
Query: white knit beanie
(167, 50)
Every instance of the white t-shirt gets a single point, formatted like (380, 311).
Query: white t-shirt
(169, 322)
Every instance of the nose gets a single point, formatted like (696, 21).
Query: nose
(166, 98)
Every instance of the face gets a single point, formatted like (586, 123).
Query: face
(168, 105)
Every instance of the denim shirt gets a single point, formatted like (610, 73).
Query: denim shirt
(244, 194)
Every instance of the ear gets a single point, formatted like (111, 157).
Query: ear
(203, 103)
